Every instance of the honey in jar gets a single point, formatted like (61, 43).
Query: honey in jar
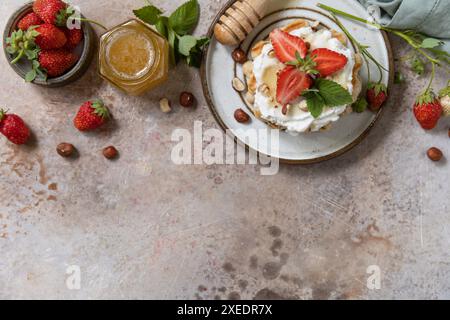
(134, 57)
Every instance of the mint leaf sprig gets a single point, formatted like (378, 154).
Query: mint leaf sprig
(176, 28)
(326, 93)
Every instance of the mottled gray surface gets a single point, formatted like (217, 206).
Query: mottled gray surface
(142, 227)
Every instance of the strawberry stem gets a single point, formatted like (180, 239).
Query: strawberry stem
(361, 48)
(19, 56)
(90, 21)
(433, 73)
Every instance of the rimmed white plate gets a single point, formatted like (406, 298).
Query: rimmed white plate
(219, 69)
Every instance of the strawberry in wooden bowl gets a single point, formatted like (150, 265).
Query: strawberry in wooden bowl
(48, 43)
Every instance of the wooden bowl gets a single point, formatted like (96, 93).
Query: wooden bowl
(85, 50)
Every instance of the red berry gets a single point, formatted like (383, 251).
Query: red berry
(286, 45)
(376, 96)
(428, 110)
(328, 61)
(291, 83)
(74, 38)
(91, 116)
(51, 11)
(50, 37)
(57, 62)
(31, 19)
(13, 128)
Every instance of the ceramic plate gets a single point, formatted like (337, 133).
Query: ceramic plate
(219, 69)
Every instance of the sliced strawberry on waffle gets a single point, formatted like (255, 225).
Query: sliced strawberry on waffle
(291, 83)
(286, 45)
(328, 61)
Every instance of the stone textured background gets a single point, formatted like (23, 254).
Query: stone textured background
(141, 227)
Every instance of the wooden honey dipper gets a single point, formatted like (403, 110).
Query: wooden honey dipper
(239, 20)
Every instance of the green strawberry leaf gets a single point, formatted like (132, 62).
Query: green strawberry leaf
(430, 43)
(148, 14)
(399, 78)
(332, 93)
(418, 66)
(185, 18)
(360, 105)
(31, 75)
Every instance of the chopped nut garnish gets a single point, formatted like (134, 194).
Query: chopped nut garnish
(248, 69)
(264, 89)
(164, 105)
(250, 98)
(238, 85)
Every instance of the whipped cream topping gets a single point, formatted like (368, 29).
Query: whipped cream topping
(298, 118)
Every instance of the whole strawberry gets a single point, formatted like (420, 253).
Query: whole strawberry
(57, 62)
(51, 11)
(92, 115)
(376, 95)
(428, 110)
(31, 19)
(50, 37)
(13, 128)
(74, 38)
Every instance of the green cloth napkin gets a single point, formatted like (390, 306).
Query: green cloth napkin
(432, 17)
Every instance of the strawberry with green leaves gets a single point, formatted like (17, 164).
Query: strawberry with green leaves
(92, 115)
(428, 110)
(57, 62)
(376, 95)
(291, 83)
(31, 19)
(51, 11)
(13, 128)
(301, 71)
(50, 37)
(74, 38)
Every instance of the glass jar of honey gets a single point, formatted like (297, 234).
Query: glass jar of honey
(134, 57)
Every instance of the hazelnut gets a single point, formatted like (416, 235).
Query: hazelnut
(65, 150)
(434, 154)
(241, 116)
(239, 56)
(110, 152)
(187, 99)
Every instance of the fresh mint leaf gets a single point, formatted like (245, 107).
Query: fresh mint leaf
(430, 43)
(315, 103)
(195, 57)
(173, 44)
(185, 18)
(161, 26)
(332, 93)
(186, 44)
(148, 14)
(360, 105)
